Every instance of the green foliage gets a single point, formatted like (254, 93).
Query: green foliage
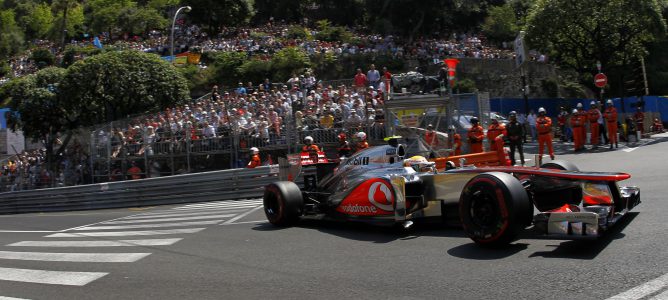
(39, 21)
(550, 87)
(578, 33)
(4, 68)
(255, 70)
(105, 14)
(327, 32)
(72, 52)
(298, 32)
(281, 10)
(465, 85)
(213, 14)
(11, 36)
(226, 65)
(43, 57)
(501, 24)
(139, 20)
(199, 80)
(113, 85)
(289, 61)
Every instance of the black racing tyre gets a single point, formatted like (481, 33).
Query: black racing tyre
(560, 165)
(494, 209)
(283, 203)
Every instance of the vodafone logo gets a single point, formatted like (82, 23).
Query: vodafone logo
(380, 192)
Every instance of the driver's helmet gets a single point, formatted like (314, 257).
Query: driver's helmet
(361, 136)
(308, 140)
(420, 164)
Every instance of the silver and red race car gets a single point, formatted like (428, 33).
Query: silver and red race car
(494, 203)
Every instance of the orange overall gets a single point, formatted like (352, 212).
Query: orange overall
(544, 128)
(577, 123)
(475, 137)
(493, 131)
(611, 118)
(457, 141)
(593, 115)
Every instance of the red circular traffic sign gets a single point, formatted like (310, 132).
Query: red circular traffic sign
(600, 80)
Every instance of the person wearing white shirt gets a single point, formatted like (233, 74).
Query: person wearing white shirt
(532, 124)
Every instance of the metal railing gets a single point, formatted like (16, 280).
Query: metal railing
(188, 188)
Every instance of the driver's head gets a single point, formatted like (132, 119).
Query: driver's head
(308, 140)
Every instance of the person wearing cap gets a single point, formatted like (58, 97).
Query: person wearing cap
(544, 128)
(361, 142)
(255, 158)
(515, 132)
(344, 146)
(593, 114)
(639, 118)
(455, 140)
(430, 137)
(610, 115)
(577, 123)
(475, 136)
(495, 130)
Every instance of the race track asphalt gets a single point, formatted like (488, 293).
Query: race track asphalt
(225, 250)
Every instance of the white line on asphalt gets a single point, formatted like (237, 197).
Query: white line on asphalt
(82, 226)
(643, 290)
(27, 231)
(217, 206)
(220, 204)
(49, 277)
(127, 233)
(73, 257)
(224, 202)
(209, 208)
(180, 214)
(231, 221)
(177, 224)
(247, 222)
(11, 298)
(119, 243)
(629, 149)
(133, 221)
(662, 296)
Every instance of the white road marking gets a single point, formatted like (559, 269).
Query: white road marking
(11, 298)
(662, 296)
(629, 149)
(247, 222)
(133, 221)
(643, 290)
(222, 203)
(127, 233)
(26, 231)
(74, 257)
(119, 243)
(178, 224)
(49, 277)
(231, 221)
(240, 206)
(179, 214)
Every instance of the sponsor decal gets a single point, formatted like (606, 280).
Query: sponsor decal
(372, 197)
(358, 161)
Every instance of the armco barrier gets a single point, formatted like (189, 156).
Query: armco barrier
(188, 188)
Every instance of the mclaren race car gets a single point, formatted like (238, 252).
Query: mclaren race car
(494, 203)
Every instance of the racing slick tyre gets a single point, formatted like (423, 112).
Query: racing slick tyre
(493, 209)
(283, 203)
(560, 165)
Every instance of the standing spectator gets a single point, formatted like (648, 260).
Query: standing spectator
(639, 118)
(611, 119)
(475, 136)
(544, 133)
(515, 134)
(134, 171)
(577, 123)
(387, 78)
(360, 81)
(593, 115)
(561, 122)
(241, 90)
(522, 119)
(531, 120)
(373, 76)
(601, 123)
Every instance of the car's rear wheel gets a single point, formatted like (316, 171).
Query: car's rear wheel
(494, 209)
(283, 203)
(560, 165)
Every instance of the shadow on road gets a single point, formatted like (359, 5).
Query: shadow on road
(588, 249)
(366, 232)
(473, 251)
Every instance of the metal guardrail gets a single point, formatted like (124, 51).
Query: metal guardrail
(187, 188)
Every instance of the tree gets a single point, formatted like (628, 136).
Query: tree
(281, 10)
(578, 33)
(39, 21)
(11, 36)
(214, 14)
(140, 20)
(105, 14)
(62, 7)
(501, 24)
(114, 85)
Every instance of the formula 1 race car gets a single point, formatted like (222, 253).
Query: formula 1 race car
(493, 203)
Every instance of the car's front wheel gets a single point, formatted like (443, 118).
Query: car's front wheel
(283, 203)
(494, 209)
